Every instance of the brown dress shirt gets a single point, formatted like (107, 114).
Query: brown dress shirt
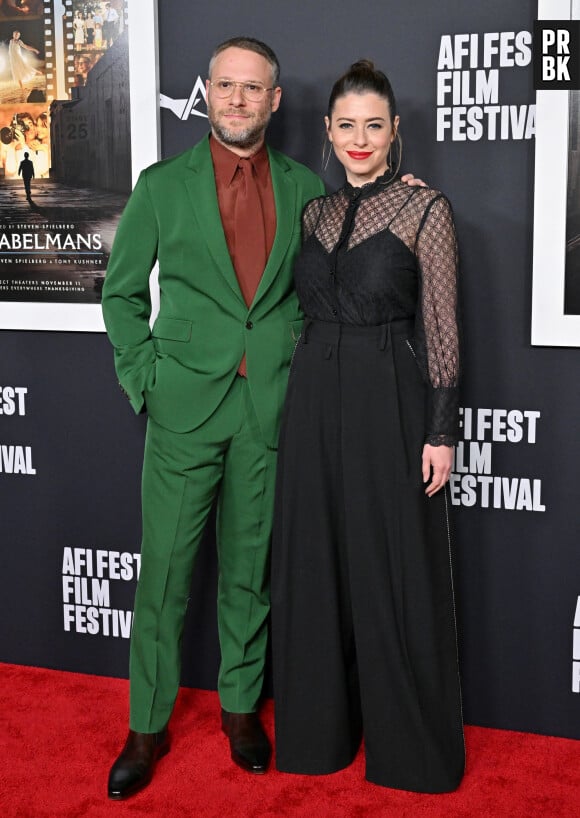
(228, 178)
(249, 260)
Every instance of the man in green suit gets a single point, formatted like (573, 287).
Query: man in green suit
(211, 374)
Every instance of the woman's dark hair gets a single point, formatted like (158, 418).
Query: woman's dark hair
(362, 78)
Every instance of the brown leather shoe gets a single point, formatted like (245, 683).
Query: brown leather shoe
(134, 767)
(249, 744)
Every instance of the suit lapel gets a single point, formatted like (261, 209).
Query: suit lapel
(200, 185)
(285, 200)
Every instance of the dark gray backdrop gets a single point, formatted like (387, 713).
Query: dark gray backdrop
(518, 575)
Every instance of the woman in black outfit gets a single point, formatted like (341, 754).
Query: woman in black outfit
(363, 617)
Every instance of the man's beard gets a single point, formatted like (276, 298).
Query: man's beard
(245, 138)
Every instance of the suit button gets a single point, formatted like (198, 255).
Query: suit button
(249, 325)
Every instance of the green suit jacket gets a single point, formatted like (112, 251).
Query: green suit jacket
(182, 368)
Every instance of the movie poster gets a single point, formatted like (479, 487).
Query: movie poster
(556, 274)
(65, 155)
(572, 271)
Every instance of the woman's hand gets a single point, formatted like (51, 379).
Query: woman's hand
(437, 462)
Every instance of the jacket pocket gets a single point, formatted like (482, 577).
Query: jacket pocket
(172, 329)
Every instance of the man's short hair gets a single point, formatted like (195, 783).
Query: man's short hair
(250, 44)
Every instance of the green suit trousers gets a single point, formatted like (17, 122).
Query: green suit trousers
(183, 473)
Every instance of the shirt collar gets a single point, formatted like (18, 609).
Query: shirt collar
(226, 162)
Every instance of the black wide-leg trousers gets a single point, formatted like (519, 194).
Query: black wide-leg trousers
(363, 621)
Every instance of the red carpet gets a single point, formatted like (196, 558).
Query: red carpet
(61, 731)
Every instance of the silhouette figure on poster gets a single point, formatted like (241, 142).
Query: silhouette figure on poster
(26, 170)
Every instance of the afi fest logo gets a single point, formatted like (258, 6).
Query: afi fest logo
(184, 108)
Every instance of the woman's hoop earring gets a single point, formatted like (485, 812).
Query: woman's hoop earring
(326, 154)
(395, 155)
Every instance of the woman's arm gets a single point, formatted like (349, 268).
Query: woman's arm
(436, 250)
(29, 47)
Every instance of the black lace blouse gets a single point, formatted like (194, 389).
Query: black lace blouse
(383, 252)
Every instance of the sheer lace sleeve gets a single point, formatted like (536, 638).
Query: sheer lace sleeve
(437, 319)
(310, 216)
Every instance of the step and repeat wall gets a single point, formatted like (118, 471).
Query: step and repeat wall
(71, 448)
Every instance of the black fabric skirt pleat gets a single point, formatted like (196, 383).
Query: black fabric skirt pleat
(363, 620)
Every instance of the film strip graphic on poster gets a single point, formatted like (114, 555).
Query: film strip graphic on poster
(65, 150)
(49, 43)
(90, 28)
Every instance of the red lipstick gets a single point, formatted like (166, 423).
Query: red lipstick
(359, 154)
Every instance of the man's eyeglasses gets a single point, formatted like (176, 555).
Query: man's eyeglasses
(252, 91)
